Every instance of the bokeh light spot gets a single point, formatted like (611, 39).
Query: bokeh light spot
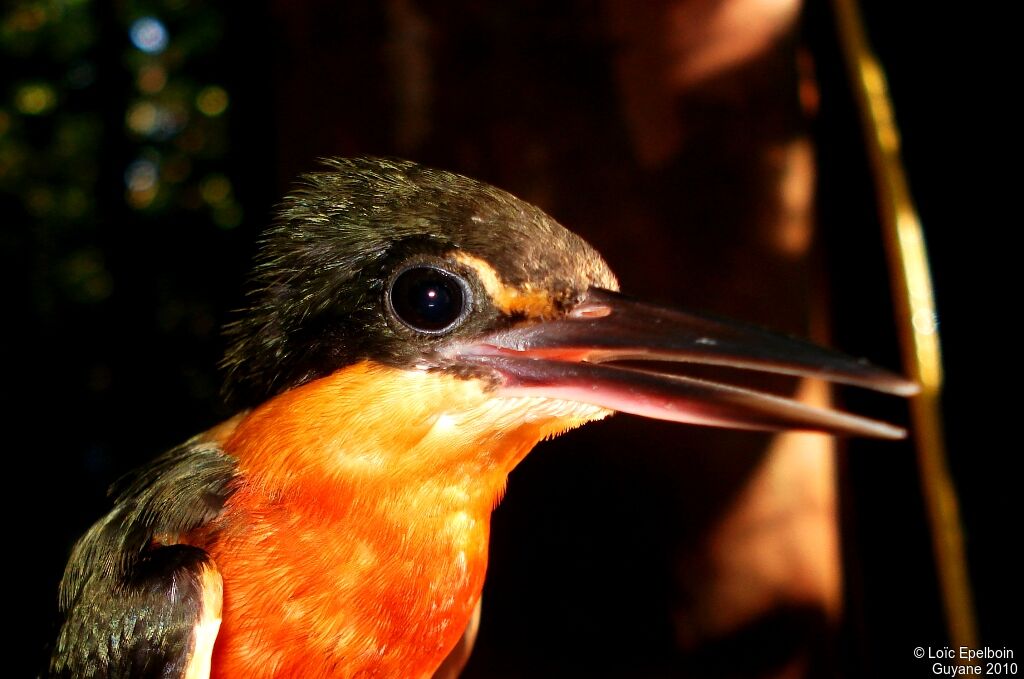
(172, 119)
(25, 19)
(149, 35)
(86, 276)
(143, 118)
(212, 101)
(215, 189)
(142, 179)
(141, 199)
(151, 79)
(140, 175)
(35, 98)
(150, 119)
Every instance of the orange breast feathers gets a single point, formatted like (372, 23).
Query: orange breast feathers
(356, 543)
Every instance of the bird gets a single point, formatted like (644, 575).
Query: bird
(409, 335)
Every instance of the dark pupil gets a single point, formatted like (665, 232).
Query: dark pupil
(426, 299)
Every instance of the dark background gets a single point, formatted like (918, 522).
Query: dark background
(111, 337)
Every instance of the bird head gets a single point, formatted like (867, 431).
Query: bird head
(436, 274)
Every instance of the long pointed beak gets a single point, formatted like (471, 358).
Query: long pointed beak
(569, 359)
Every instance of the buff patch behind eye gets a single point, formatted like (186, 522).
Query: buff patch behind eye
(510, 300)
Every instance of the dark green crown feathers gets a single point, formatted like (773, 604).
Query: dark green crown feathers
(316, 299)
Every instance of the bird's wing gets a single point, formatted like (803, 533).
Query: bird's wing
(137, 604)
(161, 624)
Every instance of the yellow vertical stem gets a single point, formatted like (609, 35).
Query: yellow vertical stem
(914, 302)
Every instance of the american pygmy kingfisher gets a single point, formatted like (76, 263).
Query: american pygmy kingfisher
(411, 334)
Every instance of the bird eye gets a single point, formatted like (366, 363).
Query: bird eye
(428, 299)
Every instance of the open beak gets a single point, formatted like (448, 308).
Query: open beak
(569, 359)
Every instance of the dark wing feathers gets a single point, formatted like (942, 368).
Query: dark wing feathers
(141, 627)
(131, 604)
